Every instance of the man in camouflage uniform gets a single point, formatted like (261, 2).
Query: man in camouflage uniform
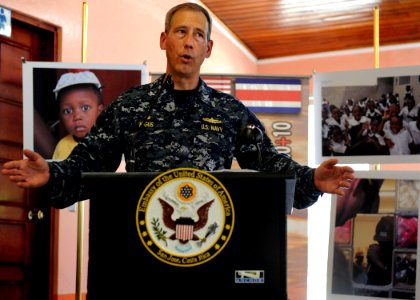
(176, 121)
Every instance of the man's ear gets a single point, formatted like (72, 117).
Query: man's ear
(163, 41)
(100, 108)
(209, 48)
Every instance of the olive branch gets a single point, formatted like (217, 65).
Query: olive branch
(159, 231)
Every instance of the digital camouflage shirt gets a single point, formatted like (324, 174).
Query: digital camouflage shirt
(159, 128)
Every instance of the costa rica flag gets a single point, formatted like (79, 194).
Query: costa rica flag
(270, 95)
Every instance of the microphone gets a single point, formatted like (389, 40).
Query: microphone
(253, 135)
(131, 161)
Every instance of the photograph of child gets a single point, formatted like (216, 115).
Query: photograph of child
(67, 98)
(79, 97)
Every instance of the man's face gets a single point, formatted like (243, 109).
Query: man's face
(186, 43)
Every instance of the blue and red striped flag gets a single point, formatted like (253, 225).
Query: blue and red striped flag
(273, 95)
(220, 83)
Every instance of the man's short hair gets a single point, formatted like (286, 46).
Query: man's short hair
(189, 6)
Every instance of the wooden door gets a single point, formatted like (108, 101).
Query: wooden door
(26, 222)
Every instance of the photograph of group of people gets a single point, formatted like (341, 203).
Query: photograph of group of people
(385, 125)
(376, 121)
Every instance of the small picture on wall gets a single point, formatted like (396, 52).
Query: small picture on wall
(405, 270)
(368, 116)
(408, 194)
(407, 231)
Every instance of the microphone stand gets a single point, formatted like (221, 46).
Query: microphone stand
(253, 135)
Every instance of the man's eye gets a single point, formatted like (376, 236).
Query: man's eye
(200, 36)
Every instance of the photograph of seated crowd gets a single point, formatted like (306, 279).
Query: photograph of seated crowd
(389, 125)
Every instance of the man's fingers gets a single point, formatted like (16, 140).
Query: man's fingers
(16, 177)
(14, 164)
(339, 192)
(330, 162)
(348, 170)
(348, 176)
(31, 154)
(24, 184)
(345, 184)
(14, 172)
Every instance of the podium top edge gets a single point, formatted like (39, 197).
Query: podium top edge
(223, 174)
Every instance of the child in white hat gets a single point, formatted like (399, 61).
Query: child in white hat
(79, 96)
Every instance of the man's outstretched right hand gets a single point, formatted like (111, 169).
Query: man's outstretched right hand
(30, 172)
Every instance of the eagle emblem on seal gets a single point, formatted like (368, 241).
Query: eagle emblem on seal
(185, 225)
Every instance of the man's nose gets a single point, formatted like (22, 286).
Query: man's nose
(189, 40)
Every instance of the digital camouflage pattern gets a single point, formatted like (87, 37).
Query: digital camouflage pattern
(195, 129)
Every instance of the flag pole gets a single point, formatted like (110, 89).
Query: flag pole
(377, 167)
(80, 204)
(376, 35)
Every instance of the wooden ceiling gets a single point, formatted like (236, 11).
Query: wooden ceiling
(278, 28)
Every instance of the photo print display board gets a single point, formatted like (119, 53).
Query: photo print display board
(42, 126)
(374, 238)
(368, 116)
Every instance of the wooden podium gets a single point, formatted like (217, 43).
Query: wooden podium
(120, 266)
